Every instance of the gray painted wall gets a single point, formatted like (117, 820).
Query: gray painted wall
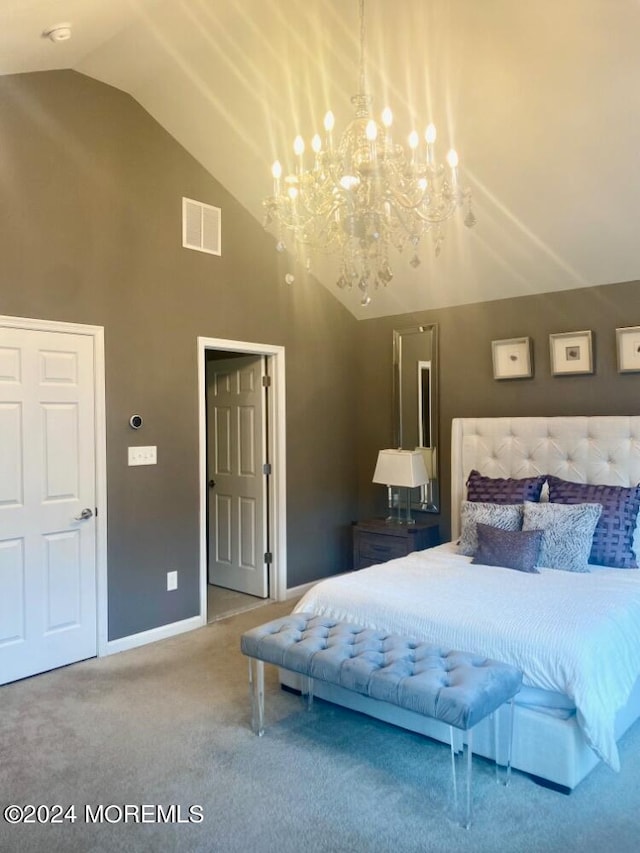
(90, 232)
(467, 387)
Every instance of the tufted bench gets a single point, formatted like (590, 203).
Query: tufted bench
(457, 688)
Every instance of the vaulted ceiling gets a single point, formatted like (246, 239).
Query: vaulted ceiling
(541, 100)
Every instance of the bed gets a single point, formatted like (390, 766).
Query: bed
(574, 634)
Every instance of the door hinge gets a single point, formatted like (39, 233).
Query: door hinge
(266, 468)
(268, 557)
(266, 382)
(96, 512)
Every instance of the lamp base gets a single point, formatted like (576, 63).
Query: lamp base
(399, 522)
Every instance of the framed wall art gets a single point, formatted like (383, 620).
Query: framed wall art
(512, 358)
(571, 353)
(628, 347)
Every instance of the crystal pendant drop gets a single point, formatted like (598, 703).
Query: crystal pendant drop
(366, 299)
(385, 273)
(415, 262)
(281, 246)
(470, 219)
(342, 282)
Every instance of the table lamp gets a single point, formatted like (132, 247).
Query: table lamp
(402, 468)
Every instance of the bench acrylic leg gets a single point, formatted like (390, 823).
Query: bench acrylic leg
(461, 799)
(256, 689)
(307, 691)
(503, 741)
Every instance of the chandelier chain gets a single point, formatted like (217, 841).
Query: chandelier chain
(363, 72)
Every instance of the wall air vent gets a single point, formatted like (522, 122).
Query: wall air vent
(201, 227)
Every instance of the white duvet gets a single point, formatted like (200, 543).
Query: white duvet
(574, 633)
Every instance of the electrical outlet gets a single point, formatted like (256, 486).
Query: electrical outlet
(143, 455)
(172, 580)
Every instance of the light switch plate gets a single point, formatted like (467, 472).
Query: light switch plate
(143, 455)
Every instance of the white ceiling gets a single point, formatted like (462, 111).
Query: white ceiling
(541, 100)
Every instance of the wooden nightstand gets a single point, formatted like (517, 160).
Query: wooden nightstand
(376, 541)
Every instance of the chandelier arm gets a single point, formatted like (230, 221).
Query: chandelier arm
(439, 211)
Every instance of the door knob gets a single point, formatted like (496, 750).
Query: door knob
(84, 515)
(212, 484)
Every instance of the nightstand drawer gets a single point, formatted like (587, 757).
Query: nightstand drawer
(376, 541)
(380, 548)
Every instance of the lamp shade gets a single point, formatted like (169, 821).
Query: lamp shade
(401, 468)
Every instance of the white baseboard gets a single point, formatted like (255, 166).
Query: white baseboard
(155, 634)
(298, 591)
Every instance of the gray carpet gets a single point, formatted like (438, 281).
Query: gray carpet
(169, 724)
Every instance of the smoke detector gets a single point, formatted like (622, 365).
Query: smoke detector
(59, 32)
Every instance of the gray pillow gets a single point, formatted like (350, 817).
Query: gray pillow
(568, 533)
(514, 549)
(504, 516)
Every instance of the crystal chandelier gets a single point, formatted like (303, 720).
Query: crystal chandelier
(364, 194)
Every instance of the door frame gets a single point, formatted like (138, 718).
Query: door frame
(100, 473)
(276, 425)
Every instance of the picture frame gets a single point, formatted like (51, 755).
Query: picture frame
(628, 349)
(571, 353)
(512, 358)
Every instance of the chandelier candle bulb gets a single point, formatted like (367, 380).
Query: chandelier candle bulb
(387, 121)
(413, 145)
(430, 138)
(452, 160)
(316, 145)
(329, 122)
(276, 171)
(298, 150)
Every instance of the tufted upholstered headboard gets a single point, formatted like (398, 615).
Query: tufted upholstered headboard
(597, 449)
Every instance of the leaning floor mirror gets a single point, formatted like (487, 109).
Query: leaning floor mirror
(415, 392)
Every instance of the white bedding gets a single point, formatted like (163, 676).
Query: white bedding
(574, 633)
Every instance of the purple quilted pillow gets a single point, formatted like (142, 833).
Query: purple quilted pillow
(498, 490)
(613, 537)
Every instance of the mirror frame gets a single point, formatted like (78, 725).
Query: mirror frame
(426, 498)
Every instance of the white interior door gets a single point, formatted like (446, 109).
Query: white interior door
(236, 414)
(47, 501)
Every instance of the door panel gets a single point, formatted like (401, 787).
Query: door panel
(47, 477)
(12, 583)
(237, 450)
(11, 454)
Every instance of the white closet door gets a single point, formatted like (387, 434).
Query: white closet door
(47, 501)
